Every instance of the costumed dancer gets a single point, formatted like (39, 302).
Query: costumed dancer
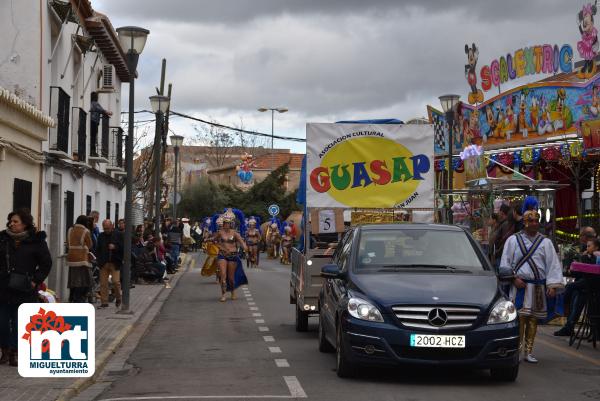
(530, 258)
(252, 240)
(274, 239)
(206, 232)
(230, 265)
(210, 266)
(287, 241)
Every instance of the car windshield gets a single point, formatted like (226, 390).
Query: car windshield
(405, 249)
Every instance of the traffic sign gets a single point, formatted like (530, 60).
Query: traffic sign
(273, 210)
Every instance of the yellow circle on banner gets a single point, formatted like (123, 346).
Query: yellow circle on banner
(373, 172)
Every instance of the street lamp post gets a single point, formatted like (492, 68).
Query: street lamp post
(176, 142)
(449, 104)
(133, 40)
(159, 104)
(273, 110)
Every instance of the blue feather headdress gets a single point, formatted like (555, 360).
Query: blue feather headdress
(530, 203)
(214, 227)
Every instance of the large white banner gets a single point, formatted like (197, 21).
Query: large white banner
(369, 166)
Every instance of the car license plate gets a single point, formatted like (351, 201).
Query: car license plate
(437, 341)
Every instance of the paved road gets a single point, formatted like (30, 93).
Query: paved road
(198, 348)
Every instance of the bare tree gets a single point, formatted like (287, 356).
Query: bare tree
(224, 144)
(220, 141)
(250, 143)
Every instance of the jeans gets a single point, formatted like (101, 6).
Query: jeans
(109, 269)
(576, 298)
(175, 249)
(9, 317)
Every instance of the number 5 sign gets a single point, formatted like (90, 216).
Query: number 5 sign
(327, 221)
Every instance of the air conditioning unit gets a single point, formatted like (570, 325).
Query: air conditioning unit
(108, 77)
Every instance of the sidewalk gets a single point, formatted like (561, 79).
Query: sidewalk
(586, 351)
(111, 330)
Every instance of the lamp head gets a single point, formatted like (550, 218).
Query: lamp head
(132, 38)
(176, 140)
(449, 102)
(159, 103)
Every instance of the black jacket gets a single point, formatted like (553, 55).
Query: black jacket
(105, 255)
(31, 257)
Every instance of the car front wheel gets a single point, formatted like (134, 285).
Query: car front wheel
(345, 368)
(505, 374)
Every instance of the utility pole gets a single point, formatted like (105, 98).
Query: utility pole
(157, 153)
(163, 160)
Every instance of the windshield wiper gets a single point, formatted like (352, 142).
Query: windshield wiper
(424, 265)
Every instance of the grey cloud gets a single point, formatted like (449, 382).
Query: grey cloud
(325, 64)
(240, 11)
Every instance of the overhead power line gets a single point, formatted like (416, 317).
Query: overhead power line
(262, 134)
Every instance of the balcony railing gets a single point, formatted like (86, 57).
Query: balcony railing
(100, 140)
(60, 110)
(79, 134)
(104, 151)
(116, 155)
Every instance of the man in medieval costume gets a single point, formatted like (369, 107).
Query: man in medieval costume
(530, 259)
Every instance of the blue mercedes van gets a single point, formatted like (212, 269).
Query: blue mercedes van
(416, 294)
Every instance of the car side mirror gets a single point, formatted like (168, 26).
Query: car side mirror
(330, 271)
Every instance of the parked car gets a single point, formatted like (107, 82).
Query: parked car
(416, 294)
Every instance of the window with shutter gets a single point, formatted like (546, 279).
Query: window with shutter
(22, 194)
(88, 205)
(108, 210)
(69, 210)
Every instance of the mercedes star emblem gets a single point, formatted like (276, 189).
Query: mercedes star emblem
(437, 317)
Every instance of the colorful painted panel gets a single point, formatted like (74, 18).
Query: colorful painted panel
(528, 114)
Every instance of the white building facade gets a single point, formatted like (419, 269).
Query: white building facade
(61, 52)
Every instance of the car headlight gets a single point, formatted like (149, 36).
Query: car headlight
(361, 309)
(503, 312)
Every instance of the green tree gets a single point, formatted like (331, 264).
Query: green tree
(204, 198)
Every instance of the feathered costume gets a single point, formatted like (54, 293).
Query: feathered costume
(231, 215)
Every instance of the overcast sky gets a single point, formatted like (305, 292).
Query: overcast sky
(325, 60)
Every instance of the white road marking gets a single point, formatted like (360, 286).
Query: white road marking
(205, 397)
(259, 320)
(263, 328)
(275, 350)
(296, 390)
(249, 299)
(282, 363)
(253, 308)
(257, 314)
(269, 339)
(252, 303)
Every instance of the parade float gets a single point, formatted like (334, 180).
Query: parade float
(376, 172)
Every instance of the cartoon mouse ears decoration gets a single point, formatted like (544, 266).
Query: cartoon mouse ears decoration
(588, 45)
(476, 94)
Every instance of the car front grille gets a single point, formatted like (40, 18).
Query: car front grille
(417, 316)
(437, 354)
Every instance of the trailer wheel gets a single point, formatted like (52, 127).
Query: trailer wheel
(301, 320)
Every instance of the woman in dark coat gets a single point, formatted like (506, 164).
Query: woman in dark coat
(23, 250)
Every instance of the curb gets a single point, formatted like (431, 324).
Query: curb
(101, 361)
